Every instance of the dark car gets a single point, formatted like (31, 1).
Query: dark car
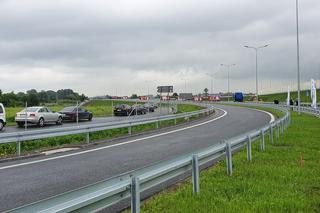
(138, 110)
(70, 114)
(149, 107)
(122, 109)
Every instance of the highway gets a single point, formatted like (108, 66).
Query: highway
(95, 120)
(29, 180)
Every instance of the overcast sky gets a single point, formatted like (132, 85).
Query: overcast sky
(121, 47)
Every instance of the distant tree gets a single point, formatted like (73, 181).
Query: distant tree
(43, 97)
(83, 97)
(22, 98)
(134, 96)
(51, 95)
(32, 91)
(175, 95)
(33, 99)
(206, 92)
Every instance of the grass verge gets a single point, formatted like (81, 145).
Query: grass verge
(284, 178)
(282, 97)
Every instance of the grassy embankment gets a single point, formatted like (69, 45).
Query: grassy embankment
(282, 97)
(100, 108)
(284, 178)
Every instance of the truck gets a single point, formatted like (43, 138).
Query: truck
(238, 97)
(2, 116)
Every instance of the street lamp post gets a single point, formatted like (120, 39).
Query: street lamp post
(228, 65)
(185, 84)
(148, 95)
(211, 76)
(298, 55)
(256, 50)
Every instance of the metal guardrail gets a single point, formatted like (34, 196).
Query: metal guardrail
(19, 137)
(305, 109)
(106, 193)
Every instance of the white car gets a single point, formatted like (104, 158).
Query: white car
(2, 116)
(38, 115)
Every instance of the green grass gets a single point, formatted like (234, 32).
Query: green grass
(79, 139)
(282, 97)
(275, 181)
(187, 108)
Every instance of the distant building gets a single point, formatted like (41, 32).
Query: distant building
(197, 98)
(186, 96)
(214, 98)
(146, 97)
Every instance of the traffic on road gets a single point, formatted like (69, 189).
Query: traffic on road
(44, 117)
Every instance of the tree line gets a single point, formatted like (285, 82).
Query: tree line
(35, 98)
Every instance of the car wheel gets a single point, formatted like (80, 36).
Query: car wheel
(59, 121)
(90, 118)
(20, 124)
(41, 122)
(1, 125)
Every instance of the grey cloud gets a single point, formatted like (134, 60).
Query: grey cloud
(114, 40)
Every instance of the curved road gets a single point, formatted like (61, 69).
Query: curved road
(29, 180)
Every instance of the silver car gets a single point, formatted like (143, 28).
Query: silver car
(37, 115)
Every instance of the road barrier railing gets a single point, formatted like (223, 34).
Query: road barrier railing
(305, 108)
(106, 193)
(19, 137)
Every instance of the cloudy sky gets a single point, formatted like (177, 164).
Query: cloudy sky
(127, 46)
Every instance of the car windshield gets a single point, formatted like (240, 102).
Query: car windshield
(30, 109)
(68, 109)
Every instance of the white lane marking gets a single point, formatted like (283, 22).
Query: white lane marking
(272, 118)
(115, 145)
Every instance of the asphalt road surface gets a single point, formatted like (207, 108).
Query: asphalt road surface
(29, 180)
(95, 120)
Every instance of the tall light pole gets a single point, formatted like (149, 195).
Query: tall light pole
(228, 65)
(211, 75)
(185, 84)
(256, 50)
(298, 54)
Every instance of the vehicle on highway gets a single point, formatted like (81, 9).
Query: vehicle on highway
(37, 115)
(122, 109)
(2, 116)
(238, 97)
(149, 107)
(138, 109)
(70, 114)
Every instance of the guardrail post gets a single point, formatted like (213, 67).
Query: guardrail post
(135, 195)
(157, 124)
(195, 174)
(175, 121)
(271, 134)
(249, 150)
(229, 158)
(130, 130)
(262, 145)
(18, 148)
(88, 137)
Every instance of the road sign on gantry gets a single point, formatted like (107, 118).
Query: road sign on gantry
(165, 89)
